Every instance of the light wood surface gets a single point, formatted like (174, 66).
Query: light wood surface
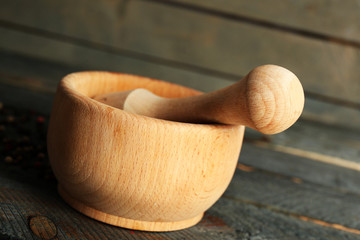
(269, 99)
(134, 171)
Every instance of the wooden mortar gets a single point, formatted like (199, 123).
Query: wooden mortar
(134, 171)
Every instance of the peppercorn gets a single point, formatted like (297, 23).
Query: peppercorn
(10, 119)
(23, 143)
(8, 159)
(40, 119)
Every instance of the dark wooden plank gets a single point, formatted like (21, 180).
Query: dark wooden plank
(25, 98)
(227, 219)
(300, 167)
(19, 205)
(331, 114)
(253, 221)
(84, 58)
(31, 73)
(333, 18)
(198, 40)
(327, 141)
(29, 83)
(230, 218)
(301, 198)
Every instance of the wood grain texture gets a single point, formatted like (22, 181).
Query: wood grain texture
(302, 198)
(230, 218)
(300, 167)
(336, 115)
(42, 227)
(185, 37)
(331, 18)
(134, 171)
(268, 99)
(259, 222)
(22, 200)
(316, 137)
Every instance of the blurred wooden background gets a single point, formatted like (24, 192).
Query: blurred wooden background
(206, 45)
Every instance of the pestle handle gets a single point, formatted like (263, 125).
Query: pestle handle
(269, 99)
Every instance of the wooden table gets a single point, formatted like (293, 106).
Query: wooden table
(301, 184)
(277, 192)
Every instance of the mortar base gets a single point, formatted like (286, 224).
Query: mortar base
(125, 222)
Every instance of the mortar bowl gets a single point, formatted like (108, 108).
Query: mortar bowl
(134, 171)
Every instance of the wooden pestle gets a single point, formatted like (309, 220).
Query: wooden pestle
(269, 99)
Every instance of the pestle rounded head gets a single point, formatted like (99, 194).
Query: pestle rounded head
(274, 98)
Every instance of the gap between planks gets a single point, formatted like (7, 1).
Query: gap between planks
(309, 154)
(247, 168)
(337, 101)
(336, 226)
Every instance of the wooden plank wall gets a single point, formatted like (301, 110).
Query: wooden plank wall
(202, 44)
